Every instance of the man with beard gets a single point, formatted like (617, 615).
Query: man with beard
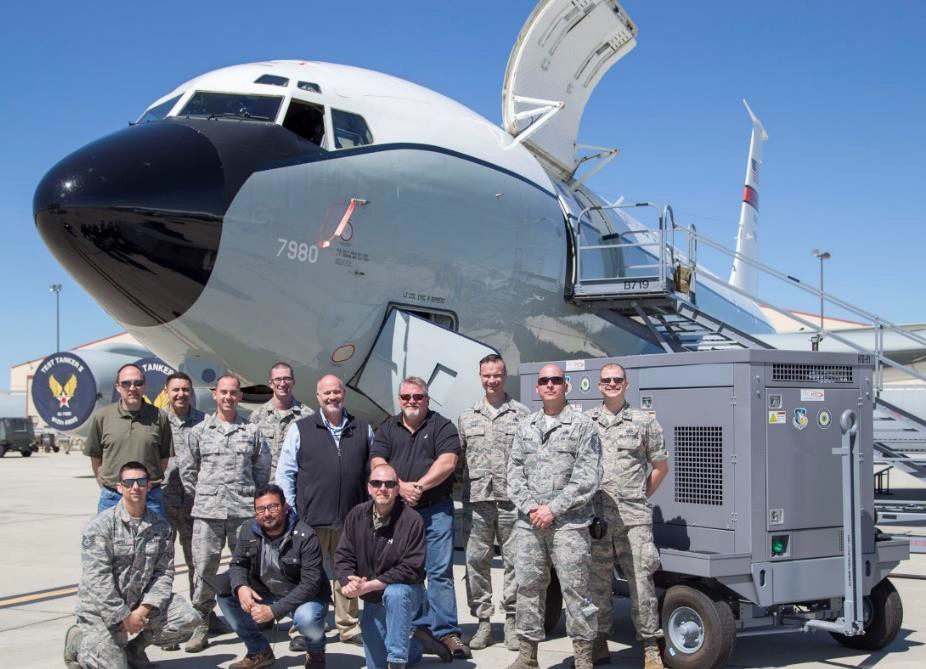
(423, 446)
(276, 570)
(322, 470)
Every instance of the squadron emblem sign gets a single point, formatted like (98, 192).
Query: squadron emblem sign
(64, 391)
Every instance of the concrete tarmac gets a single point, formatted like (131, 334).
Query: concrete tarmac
(45, 501)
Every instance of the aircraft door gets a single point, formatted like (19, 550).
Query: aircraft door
(411, 346)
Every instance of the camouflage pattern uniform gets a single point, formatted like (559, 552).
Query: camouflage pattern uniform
(227, 463)
(556, 462)
(486, 434)
(124, 565)
(629, 440)
(176, 503)
(273, 424)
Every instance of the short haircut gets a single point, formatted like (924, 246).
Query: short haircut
(178, 376)
(132, 464)
(387, 465)
(282, 365)
(126, 366)
(492, 357)
(415, 381)
(614, 364)
(270, 489)
(228, 375)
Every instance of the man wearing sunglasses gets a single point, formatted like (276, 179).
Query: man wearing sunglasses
(276, 570)
(276, 415)
(553, 473)
(129, 430)
(323, 472)
(631, 444)
(126, 582)
(228, 461)
(486, 432)
(423, 447)
(381, 560)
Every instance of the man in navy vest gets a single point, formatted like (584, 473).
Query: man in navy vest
(322, 471)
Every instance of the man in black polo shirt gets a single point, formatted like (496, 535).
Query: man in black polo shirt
(130, 430)
(322, 471)
(423, 447)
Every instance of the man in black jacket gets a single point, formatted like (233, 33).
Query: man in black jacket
(276, 570)
(380, 559)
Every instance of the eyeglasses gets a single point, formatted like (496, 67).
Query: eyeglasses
(281, 379)
(134, 383)
(269, 508)
(142, 481)
(555, 380)
(608, 380)
(388, 485)
(418, 397)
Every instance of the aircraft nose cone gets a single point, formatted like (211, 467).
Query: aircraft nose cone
(136, 218)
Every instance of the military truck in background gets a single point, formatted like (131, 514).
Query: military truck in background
(17, 434)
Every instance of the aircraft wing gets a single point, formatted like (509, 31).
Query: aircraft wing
(563, 51)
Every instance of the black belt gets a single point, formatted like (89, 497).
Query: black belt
(425, 505)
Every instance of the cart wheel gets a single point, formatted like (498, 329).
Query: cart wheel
(554, 606)
(883, 617)
(699, 632)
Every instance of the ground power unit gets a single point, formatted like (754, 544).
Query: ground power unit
(765, 522)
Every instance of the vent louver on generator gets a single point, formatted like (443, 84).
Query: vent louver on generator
(808, 373)
(698, 465)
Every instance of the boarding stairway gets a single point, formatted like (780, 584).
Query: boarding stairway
(656, 297)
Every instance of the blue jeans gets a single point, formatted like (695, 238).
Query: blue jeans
(309, 619)
(386, 627)
(439, 611)
(155, 502)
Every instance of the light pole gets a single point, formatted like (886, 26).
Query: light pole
(56, 289)
(822, 255)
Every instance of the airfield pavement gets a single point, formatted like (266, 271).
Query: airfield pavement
(45, 501)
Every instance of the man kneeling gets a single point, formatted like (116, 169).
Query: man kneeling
(380, 558)
(126, 582)
(276, 571)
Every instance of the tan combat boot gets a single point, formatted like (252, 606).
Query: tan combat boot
(652, 659)
(511, 633)
(582, 652)
(527, 655)
(483, 636)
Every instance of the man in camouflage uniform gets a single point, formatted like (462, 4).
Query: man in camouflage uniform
(486, 432)
(183, 418)
(631, 439)
(127, 573)
(553, 473)
(229, 460)
(276, 415)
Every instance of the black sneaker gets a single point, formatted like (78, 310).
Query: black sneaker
(297, 644)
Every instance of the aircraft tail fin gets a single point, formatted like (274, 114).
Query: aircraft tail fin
(743, 275)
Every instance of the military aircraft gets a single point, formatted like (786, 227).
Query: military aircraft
(353, 223)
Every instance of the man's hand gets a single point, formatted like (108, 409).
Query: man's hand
(541, 517)
(353, 587)
(247, 598)
(410, 492)
(261, 613)
(135, 622)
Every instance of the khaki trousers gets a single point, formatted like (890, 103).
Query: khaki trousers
(345, 609)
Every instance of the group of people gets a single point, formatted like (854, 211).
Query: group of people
(316, 506)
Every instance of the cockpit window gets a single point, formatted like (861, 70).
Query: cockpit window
(350, 130)
(160, 111)
(233, 105)
(272, 80)
(309, 86)
(306, 120)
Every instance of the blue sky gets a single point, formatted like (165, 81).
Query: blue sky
(840, 87)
